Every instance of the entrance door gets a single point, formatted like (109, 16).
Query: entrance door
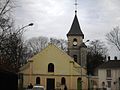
(79, 84)
(50, 84)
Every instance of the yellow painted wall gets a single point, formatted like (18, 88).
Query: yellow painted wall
(64, 66)
(71, 81)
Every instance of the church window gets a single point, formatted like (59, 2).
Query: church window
(38, 80)
(63, 81)
(75, 58)
(74, 42)
(50, 67)
(75, 39)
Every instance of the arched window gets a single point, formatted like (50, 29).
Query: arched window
(75, 58)
(63, 81)
(38, 80)
(79, 79)
(50, 67)
(74, 42)
(79, 84)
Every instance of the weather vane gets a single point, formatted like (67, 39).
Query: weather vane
(76, 6)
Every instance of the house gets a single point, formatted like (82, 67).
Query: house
(109, 74)
(53, 69)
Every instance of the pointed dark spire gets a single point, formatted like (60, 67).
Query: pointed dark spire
(75, 29)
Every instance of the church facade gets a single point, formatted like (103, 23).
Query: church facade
(54, 69)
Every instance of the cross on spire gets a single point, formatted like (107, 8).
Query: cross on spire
(76, 6)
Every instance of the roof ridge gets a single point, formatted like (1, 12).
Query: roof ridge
(110, 64)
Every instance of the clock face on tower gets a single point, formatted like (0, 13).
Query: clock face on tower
(75, 43)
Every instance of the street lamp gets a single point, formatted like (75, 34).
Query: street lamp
(81, 58)
(89, 82)
(79, 52)
(31, 24)
(20, 31)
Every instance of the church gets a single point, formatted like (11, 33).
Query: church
(54, 69)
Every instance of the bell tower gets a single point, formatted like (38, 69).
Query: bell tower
(76, 46)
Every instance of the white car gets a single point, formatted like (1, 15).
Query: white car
(37, 87)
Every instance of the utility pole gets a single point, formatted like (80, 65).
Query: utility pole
(81, 63)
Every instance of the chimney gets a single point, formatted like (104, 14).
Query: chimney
(108, 58)
(115, 58)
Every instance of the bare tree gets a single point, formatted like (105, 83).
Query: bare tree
(97, 52)
(61, 43)
(113, 37)
(35, 45)
(11, 41)
(97, 47)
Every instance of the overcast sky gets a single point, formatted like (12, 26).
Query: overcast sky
(53, 18)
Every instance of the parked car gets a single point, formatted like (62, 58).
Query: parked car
(38, 87)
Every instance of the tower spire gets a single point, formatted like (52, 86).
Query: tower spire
(76, 6)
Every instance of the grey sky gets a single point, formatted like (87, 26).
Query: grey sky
(53, 18)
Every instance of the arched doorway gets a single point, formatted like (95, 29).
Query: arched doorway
(79, 84)
(63, 81)
(38, 80)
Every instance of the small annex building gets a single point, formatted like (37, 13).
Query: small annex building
(53, 69)
(109, 74)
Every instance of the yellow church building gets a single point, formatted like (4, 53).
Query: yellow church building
(54, 69)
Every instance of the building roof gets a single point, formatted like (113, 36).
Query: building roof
(75, 28)
(110, 64)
